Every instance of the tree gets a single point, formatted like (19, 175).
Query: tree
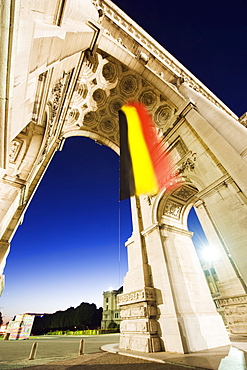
(1, 318)
(85, 316)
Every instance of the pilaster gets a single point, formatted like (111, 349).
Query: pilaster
(201, 327)
(4, 251)
(232, 289)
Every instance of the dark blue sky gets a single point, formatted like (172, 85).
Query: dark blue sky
(67, 250)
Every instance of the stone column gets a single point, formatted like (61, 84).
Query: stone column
(229, 277)
(201, 327)
(139, 328)
(168, 328)
(232, 289)
(4, 251)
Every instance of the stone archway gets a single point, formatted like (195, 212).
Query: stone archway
(91, 62)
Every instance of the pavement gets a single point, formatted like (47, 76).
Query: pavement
(231, 357)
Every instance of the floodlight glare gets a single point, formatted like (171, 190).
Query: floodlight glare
(209, 254)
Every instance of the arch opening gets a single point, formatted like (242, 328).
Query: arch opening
(67, 250)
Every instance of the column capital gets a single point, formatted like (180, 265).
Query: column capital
(150, 229)
(176, 230)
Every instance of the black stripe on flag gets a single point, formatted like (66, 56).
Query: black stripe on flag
(127, 184)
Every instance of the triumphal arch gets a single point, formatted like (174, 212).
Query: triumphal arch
(66, 69)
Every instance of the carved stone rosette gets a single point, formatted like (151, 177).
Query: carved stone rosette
(235, 313)
(139, 327)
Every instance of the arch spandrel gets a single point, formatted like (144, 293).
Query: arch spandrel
(175, 206)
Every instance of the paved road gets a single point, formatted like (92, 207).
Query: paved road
(107, 361)
(52, 346)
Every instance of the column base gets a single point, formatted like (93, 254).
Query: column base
(139, 327)
(201, 332)
(139, 342)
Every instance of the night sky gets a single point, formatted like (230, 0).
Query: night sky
(70, 247)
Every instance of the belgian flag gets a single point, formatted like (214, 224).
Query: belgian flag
(145, 167)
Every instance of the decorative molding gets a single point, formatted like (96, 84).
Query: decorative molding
(173, 209)
(15, 148)
(215, 186)
(232, 301)
(148, 98)
(146, 294)
(57, 94)
(150, 229)
(103, 86)
(128, 85)
(235, 312)
(184, 193)
(175, 230)
(142, 56)
(243, 119)
(162, 115)
(177, 70)
(14, 181)
(188, 165)
(143, 310)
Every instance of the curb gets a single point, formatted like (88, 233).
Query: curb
(113, 348)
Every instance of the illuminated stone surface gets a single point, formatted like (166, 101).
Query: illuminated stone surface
(67, 76)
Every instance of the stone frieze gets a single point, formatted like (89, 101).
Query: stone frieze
(146, 294)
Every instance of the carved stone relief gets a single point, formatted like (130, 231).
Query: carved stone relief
(235, 313)
(184, 193)
(147, 294)
(188, 165)
(55, 102)
(109, 72)
(90, 119)
(173, 209)
(15, 150)
(162, 115)
(128, 85)
(148, 98)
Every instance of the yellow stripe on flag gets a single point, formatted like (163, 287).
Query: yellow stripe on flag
(144, 175)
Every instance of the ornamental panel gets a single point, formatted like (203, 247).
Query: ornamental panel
(99, 96)
(115, 105)
(184, 193)
(107, 126)
(162, 115)
(173, 209)
(109, 72)
(146, 294)
(148, 98)
(15, 150)
(129, 85)
(90, 119)
(73, 116)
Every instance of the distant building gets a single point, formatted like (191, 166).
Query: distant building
(20, 327)
(213, 284)
(111, 311)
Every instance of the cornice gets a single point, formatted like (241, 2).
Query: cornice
(122, 20)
